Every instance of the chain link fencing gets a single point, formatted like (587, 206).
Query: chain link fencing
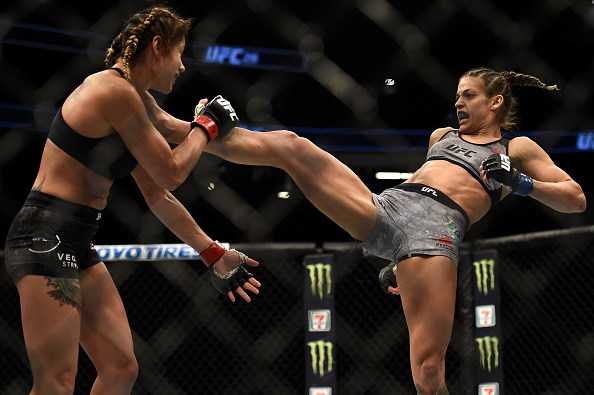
(189, 339)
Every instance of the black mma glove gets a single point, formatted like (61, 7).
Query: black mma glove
(232, 280)
(498, 167)
(387, 277)
(217, 117)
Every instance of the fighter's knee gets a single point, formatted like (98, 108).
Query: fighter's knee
(431, 377)
(60, 383)
(130, 371)
(123, 373)
(290, 146)
(65, 382)
(291, 140)
(430, 370)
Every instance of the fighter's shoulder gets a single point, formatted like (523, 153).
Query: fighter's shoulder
(522, 144)
(437, 134)
(523, 148)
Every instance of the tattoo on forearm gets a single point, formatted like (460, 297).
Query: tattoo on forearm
(443, 390)
(38, 187)
(67, 291)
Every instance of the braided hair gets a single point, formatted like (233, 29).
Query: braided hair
(499, 83)
(140, 29)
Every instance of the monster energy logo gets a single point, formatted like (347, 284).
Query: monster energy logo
(322, 272)
(485, 275)
(321, 350)
(488, 348)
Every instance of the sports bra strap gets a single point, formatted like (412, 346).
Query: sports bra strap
(119, 71)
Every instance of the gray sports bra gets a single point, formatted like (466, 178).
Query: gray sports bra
(454, 149)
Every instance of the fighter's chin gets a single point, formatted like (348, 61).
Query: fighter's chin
(164, 90)
(463, 128)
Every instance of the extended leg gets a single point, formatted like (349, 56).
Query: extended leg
(330, 185)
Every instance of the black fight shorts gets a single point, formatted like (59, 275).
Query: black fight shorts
(51, 237)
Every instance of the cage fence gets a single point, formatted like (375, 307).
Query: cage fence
(189, 339)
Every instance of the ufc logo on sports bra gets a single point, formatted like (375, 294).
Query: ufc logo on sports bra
(227, 106)
(429, 190)
(459, 150)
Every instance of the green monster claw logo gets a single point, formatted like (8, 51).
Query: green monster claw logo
(485, 270)
(318, 352)
(488, 347)
(317, 287)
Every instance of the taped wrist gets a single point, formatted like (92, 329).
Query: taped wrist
(213, 253)
(207, 125)
(525, 185)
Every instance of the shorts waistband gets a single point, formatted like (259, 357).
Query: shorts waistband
(436, 195)
(84, 213)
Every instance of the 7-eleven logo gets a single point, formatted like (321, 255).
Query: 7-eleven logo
(320, 391)
(319, 320)
(488, 389)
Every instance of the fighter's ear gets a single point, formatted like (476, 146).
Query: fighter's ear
(157, 45)
(497, 102)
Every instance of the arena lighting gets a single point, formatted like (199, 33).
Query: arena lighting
(392, 175)
(283, 195)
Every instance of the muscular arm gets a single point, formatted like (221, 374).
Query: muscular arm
(175, 216)
(552, 185)
(171, 212)
(169, 168)
(173, 129)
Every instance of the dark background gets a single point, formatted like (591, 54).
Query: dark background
(351, 48)
(47, 47)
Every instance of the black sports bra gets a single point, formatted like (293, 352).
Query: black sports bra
(107, 156)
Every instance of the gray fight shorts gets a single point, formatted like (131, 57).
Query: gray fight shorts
(416, 220)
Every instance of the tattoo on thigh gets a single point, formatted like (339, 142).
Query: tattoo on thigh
(67, 291)
(443, 390)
